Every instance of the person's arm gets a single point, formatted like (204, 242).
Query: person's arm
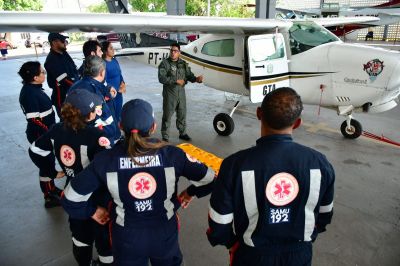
(32, 112)
(189, 74)
(200, 176)
(59, 73)
(326, 207)
(42, 155)
(76, 198)
(163, 75)
(220, 215)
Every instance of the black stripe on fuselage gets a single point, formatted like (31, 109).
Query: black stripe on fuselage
(211, 62)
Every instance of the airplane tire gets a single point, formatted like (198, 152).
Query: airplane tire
(354, 132)
(223, 124)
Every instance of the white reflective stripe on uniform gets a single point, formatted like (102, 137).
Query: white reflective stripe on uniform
(38, 114)
(101, 122)
(109, 120)
(84, 156)
(170, 180)
(44, 179)
(32, 115)
(250, 203)
(106, 259)
(326, 208)
(78, 243)
(313, 196)
(61, 77)
(112, 184)
(207, 179)
(220, 218)
(38, 151)
(74, 196)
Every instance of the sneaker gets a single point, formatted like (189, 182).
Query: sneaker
(51, 201)
(185, 137)
(165, 139)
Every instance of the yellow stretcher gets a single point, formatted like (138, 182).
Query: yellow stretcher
(207, 158)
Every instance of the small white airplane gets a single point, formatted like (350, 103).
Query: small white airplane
(252, 57)
(388, 13)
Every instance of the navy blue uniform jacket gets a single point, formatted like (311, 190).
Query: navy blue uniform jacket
(274, 193)
(105, 120)
(144, 190)
(38, 110)
(61, 74)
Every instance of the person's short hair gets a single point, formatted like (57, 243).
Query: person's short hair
(93, 65)
(177, 45)
(281, 107)
(29, 70)
(90, 46)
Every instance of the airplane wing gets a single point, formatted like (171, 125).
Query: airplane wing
(302, 12)
(128, 23)
(340, 21)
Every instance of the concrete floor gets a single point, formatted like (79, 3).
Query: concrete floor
(366, 223)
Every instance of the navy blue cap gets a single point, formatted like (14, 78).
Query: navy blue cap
(56, 36)
(84, 100)
(137, 115)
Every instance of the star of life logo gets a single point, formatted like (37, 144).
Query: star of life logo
(282, 189)
(142, 185)
(67, 155)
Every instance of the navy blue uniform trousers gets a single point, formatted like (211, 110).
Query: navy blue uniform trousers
(296, 254)
(137, 244)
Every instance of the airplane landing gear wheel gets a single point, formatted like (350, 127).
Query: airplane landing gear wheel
(223, 124)
(353, 132)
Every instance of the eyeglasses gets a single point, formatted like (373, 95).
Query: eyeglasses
(174, 51)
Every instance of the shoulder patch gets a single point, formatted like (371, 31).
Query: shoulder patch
(282, 189)
(191, 158)
(104, 142)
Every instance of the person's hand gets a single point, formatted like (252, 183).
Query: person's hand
(60, 174)
(113, 92)
(122, 88)
(185, 199)
(180, 82)
(199, 79)
(101, 215)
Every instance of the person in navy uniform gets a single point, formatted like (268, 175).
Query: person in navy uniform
(74, 142)
(141, 174)
(40, 116)
(61, 69)
(90, 47)
(270, 201)
(92, 81)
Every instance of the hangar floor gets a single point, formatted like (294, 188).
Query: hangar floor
(366, 223)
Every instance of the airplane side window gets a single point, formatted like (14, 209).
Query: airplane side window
(220, 48)
(266, 49)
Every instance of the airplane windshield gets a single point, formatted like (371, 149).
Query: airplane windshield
(306, 35)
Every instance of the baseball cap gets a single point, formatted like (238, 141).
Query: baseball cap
(56, 36)
(137, 114)
(84, 100)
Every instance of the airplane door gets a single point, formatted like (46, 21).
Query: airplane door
(268, 65)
